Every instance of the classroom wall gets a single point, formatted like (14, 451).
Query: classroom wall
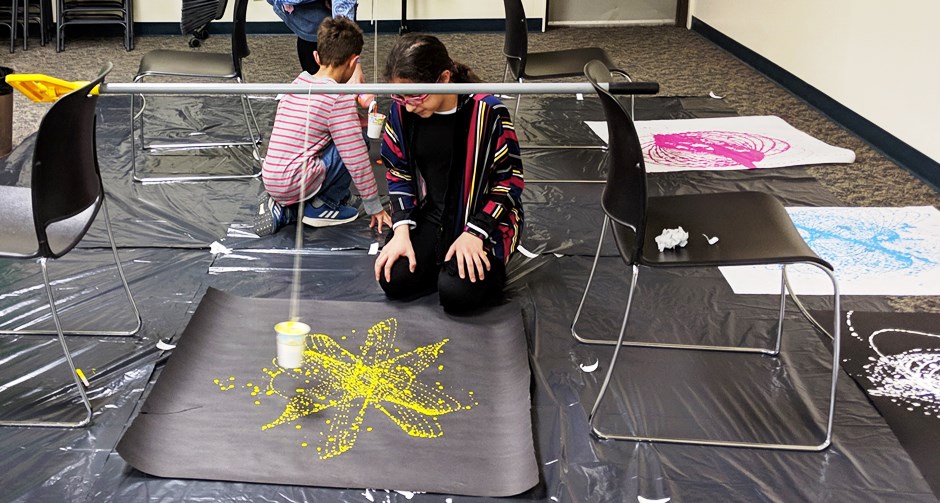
(877, 58)
(611, 12)
(149, 11)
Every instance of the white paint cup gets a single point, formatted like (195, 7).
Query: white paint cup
(376, 125)
(290, 343)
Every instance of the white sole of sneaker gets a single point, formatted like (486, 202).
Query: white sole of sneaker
(327, 222)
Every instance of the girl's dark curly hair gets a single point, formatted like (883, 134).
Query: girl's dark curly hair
(422, 58)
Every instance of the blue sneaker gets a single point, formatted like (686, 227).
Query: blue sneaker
(272, 216)
(324, 216)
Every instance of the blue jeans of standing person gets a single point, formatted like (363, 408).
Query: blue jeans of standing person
(305, 19)
(335, 189)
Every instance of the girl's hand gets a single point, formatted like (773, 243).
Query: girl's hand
(471, 258)
(399, 246)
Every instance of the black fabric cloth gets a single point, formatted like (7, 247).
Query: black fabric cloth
(386, 396)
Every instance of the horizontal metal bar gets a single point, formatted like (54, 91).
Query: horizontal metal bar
(381, 89)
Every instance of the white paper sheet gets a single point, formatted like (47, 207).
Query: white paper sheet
(727, 143)
(875, 251)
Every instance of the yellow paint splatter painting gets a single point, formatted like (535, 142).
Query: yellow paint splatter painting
(340, 387)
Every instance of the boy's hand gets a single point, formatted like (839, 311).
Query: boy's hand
(379, 219)
(365, 100)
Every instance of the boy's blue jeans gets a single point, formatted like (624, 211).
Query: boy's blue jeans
(335, 189)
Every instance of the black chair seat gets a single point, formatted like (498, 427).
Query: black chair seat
(188, 64)
(19, 232)
(92, 18)
(752, 228)
(563, 63)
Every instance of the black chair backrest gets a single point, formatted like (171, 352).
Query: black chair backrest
(516, 44)
(624, 198)
(65, 179)
(220, 9)
(239, 35)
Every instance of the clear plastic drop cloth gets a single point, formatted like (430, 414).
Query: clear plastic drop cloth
(165, 232)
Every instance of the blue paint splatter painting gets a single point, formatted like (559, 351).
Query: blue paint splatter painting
(875, 251)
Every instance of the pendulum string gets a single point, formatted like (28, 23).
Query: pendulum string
(375, 52)
(299, 236)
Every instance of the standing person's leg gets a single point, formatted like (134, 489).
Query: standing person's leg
(406, 285)
(460, 295)
(328, 206)
(304, 20)
(305, 50)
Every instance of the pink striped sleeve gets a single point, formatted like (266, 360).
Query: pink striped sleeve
(347, 135)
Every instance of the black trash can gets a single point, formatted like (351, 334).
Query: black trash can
(6, 113)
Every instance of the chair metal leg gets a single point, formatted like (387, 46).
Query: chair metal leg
(60, 26)
(250, 120)
(827, 440)
(68, 358)
(128, 25)
(25, 24)
(783, 310)
(127, 292)
(255, 140)
(597, 255)
(613, 359)
(12, 31)
(632, 96)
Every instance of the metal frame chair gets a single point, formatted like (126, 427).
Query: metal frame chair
(203, 65)
(754, 228)
(522, 64)
(38, 12)
(77, 12)
(48, 219)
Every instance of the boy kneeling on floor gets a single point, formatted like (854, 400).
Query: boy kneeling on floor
(317, 146)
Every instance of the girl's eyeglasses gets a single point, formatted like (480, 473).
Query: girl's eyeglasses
(409, 99)
(412, 99)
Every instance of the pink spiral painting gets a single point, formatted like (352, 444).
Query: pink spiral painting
(712, 149)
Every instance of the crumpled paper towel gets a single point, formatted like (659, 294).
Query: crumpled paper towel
(670, 238)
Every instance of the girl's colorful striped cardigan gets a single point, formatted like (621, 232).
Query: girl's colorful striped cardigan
(491, 182)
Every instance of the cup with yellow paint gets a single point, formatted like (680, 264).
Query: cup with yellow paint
(290, 343)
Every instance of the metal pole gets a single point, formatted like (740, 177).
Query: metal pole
(380, 89)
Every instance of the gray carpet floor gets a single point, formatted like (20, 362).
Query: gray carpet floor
(684, 63)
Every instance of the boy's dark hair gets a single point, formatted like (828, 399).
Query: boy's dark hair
(422, 58)
(338, 38)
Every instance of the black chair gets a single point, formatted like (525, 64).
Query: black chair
(88, 12)
(37, 12)
(48, 219)
(754, 229)
(524, 65)
(203, 65)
